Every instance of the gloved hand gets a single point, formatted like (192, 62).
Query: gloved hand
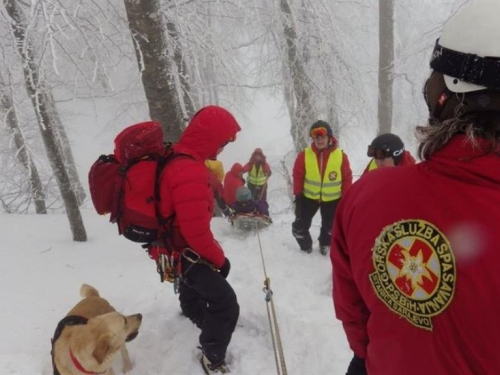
(226, 211)
(357, 366)
(226, 267)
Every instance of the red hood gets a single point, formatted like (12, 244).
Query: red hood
(209, 129)
(236, 169)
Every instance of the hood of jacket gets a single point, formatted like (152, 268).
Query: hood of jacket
(210, 128)
(236, 169)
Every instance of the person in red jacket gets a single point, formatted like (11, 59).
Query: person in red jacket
(387, 150)
(321, 175)
(232, 182)
(415, 250)
(205, 296)
(258, 173)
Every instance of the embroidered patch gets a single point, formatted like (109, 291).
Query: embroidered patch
(415, 272)
(332, 176)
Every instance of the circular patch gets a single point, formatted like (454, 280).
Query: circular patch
(415, 272)
(332, 176)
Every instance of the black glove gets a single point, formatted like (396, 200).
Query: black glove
(357, 366)
(226, 267)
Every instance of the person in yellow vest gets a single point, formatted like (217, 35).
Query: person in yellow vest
(321, 175)
(216, 173)
(387, 150)
(258, 173)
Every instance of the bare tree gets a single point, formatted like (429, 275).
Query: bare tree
(149, 34)
(303, 108)
(45, 113)
(24, 157)
(181, 72)
(386, 65)
(67, 153)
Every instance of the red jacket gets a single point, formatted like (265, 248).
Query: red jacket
(407, 159)
(184, 185)
(408, 303)
(215, 184)
(299, 168)
(232, 182)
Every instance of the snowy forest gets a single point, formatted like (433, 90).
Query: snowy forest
(74, 73)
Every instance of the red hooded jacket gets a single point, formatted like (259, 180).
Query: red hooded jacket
(415, 255)
(299, 168)
(407, 159)
(185, 187)
(232, 182)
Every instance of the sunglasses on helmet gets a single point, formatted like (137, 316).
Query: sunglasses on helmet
(378, 153)
(318, 132)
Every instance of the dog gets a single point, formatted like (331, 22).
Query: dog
(88, 339)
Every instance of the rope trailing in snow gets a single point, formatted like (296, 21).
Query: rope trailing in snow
(271, 315)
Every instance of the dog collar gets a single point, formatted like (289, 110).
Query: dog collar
(80, 367)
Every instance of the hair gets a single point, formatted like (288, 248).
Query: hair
(437, 134)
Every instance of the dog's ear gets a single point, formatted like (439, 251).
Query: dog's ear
(103, 348)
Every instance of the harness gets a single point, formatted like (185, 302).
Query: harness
(70, 320)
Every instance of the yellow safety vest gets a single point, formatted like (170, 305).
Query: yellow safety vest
(255, 177)
(372, 165)
(330, 188)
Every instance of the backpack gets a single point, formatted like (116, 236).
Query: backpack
(125, 184)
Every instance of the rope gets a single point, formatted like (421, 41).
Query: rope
(271, 315)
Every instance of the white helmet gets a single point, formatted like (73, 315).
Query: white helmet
(466, 64)
(468, 52)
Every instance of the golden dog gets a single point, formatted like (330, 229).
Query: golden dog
(87, 340)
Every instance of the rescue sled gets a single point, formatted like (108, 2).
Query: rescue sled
(250, 221)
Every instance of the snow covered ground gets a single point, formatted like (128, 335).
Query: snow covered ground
(41, 271)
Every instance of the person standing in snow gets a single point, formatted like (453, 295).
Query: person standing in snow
(205, 295)
(321, 175)
(387, 150)
(258, 173)
(415, 250)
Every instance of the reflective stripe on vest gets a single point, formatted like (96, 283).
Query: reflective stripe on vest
(330, 188)
(257, 178)
(372, 165)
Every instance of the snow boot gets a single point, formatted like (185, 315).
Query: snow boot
(324, 250)
(307, 251)
(210, 368)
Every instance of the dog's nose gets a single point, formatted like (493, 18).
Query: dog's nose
(139, 316)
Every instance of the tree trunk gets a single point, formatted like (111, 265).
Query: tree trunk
(182, 72)
(304, 111)
(149, 35)
(45, 112)
(386, 65)
(36, 187)
(69, 160)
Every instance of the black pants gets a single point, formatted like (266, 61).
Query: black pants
(210, 302)
(305, 209)
(259, 192)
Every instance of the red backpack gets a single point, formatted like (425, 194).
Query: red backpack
(126, 183)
